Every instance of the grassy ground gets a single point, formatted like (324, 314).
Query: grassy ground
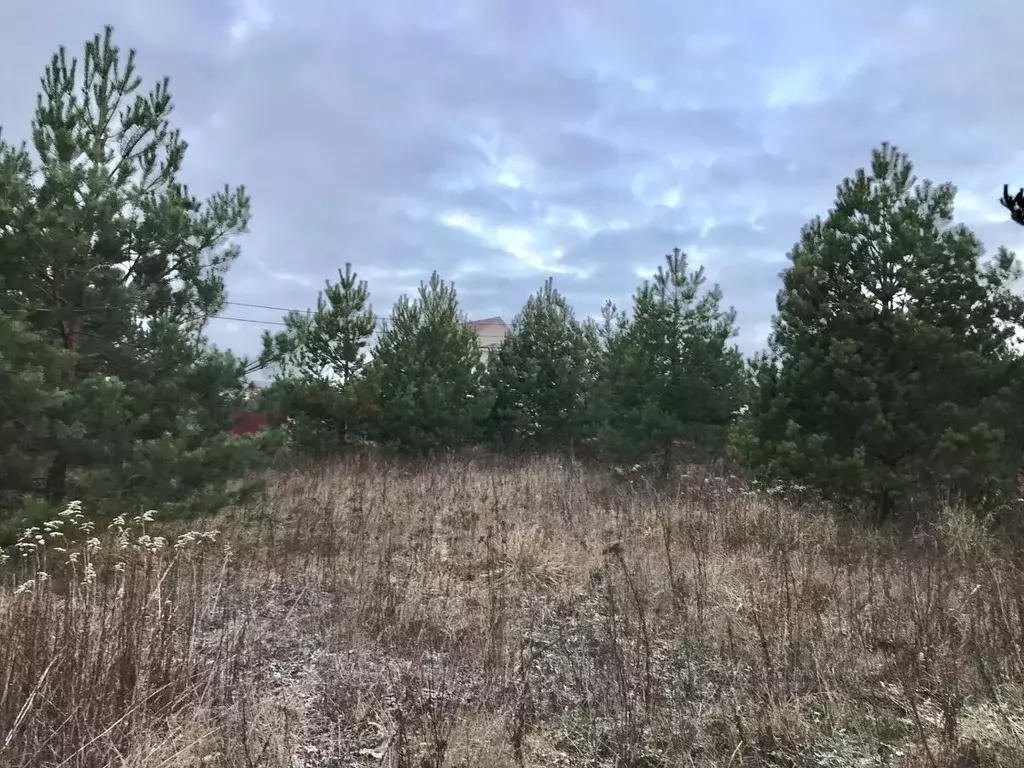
(465, 615)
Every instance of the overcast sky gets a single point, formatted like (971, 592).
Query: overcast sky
(502, 142)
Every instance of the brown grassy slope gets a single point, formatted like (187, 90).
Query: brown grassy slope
(466, 615)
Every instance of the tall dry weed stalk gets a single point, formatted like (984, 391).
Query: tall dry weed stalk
(104, 637)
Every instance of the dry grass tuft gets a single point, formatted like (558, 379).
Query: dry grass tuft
(462, 614)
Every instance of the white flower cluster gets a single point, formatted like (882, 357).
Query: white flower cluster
(71, 536)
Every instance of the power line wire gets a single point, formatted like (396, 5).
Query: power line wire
(286, 309)
(272, 322)
(247, 320)
(254, 321)
(264, 306)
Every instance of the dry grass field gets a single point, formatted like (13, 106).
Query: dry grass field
(372, 614)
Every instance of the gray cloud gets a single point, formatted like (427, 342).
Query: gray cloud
(628, 250)
(501, 143)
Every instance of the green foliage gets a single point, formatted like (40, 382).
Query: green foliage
(322, 358)
(890, 368)
(30, 371)
(671, 382)
(541, 376)
(330, 343)
(317, 415)
(426, 373)
(110, 271)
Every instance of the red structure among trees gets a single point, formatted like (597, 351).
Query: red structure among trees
(246, 423)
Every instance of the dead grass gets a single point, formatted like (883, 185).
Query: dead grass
(471, 615)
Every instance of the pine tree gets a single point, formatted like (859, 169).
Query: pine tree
(321, 358)
(672, 382)
(331, 342)
(541, 376)
(890, 369)
(426, 372)
(109, 259)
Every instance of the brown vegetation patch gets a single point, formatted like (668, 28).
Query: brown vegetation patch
(479, 615)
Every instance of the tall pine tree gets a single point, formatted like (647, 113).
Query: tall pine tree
(321, 359)
(331, 342)
(541, 376)
(426, 373)
(672, 379)
(108, 258)
(891, 371)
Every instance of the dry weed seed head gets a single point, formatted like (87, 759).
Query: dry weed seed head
(69, 535)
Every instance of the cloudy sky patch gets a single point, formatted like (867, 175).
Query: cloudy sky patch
(500, 143)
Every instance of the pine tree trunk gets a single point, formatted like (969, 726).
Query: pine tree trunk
(57, 479)
(57, 475)
(885, 505)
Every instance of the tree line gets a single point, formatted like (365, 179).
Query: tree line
(892, 371)
(660, 382)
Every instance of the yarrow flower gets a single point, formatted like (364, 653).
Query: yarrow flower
(69, 535)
